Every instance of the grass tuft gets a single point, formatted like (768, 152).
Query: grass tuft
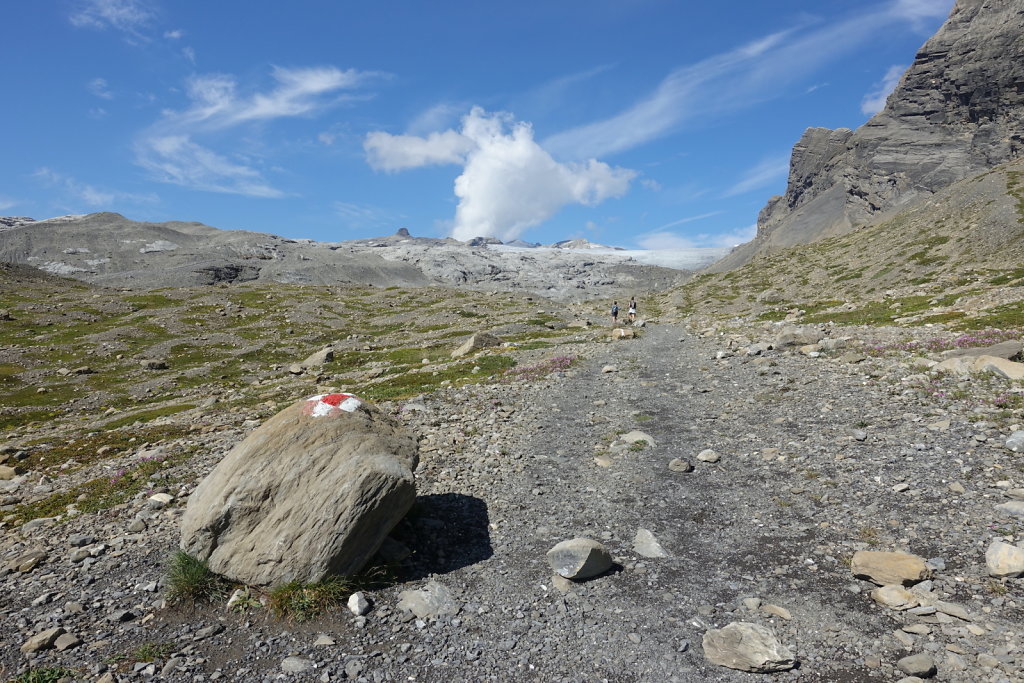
(190, 580)
(49, 674)
(303, 601)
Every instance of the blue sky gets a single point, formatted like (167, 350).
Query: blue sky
(640, 123)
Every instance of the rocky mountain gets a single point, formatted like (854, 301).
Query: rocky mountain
(109, 249)
(958, 111)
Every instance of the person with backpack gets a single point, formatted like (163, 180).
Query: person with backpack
(615, 313)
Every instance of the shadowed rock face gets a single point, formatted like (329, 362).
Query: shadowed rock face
(957, 111)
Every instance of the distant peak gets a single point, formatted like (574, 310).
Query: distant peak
(403, 232)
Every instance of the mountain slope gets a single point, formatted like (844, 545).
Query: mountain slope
(957, 111)
(955, 257)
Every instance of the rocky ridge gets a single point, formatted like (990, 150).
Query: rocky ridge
(111, 250)
(958, 111)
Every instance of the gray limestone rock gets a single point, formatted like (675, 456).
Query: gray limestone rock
(920, 665)
(886, 568)
(747, 647)
(1016, 442)
(313, 491)
(43, 640)
(579, 558)
(957, 111)
(646, 545)
(480, 340)
(319, 358)
(433, 600)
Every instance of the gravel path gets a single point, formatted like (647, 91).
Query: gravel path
(813, 460)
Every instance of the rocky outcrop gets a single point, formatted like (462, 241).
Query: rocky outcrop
(957, 111)
(314, 491)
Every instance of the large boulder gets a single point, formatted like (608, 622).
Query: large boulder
(313, 491)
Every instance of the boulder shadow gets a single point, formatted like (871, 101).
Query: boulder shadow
(443, 532)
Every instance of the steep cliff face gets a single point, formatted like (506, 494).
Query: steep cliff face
(957, 111)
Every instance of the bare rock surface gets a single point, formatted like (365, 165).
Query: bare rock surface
(314, 491)
(747, 647)
(956, 112)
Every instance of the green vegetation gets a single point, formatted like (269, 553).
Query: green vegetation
(191, 581)
(99, 494)
(420, 381)
(1007, 316)
(150, 652)
(302, 601)
(96, 446)
(148, 415)
(50, 674)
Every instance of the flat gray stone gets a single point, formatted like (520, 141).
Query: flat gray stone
(747, 647)
(433, 600)
(646, 545)
(296, 665)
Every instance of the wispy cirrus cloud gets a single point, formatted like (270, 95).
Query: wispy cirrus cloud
(100, 88)
(130, 17)
(874, 101)
(175, 150)
(508, 183)
(737, 79)
(361, 216)
(6, 203)
(659, 239)
(90, 195)
(688, 219)
(764, 173)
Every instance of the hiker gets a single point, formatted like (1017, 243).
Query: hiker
(632, 309)
(615, 313)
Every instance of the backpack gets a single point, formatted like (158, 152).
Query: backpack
(615, 310)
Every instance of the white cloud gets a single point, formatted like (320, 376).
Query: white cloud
(127, 16)
(436, 117)
(664, 240)
(216, 103)
(508, 182)
(6, 203)
(176, 34)
(91, 195)
(734, 80)
(660, 239)
(177, 159)
(170, 148)
(764, 173)
(386, 152)
(100, 88)
(189, 54)
(874, 101)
